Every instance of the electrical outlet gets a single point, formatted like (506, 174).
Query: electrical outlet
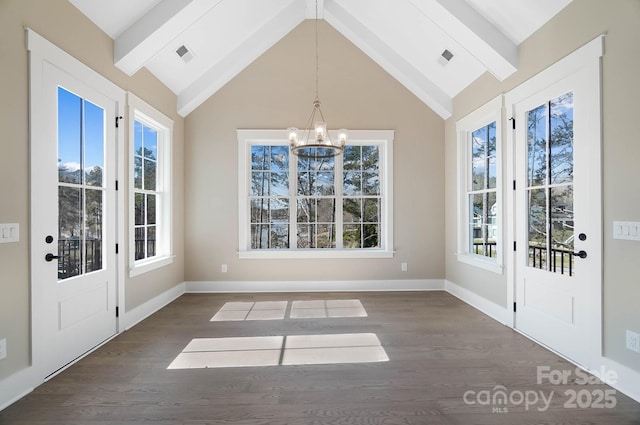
(3, 348)
(633, 341)
(403, 267)
(223, 268)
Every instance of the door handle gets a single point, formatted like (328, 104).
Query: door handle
(581, 254)
(51, 257)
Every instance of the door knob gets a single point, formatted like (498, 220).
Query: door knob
(51, 257)
(581, 254)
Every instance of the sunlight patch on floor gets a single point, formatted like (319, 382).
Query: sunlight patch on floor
(261, 310)
(276, 310)
(318, 309)
(202, 353)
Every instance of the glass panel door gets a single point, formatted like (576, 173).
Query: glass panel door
(81, 143)
(550, 186)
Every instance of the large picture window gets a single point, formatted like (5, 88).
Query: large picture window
(479, 180)
(315, 207)
(150, 187)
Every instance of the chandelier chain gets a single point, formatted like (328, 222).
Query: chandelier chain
(315, 141)
(317, 65)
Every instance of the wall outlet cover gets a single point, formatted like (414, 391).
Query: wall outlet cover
(633, 341)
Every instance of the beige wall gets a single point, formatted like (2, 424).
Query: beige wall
(277, 91)
(65, 26)
(576, 25)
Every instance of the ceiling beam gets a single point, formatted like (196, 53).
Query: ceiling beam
(474, 33)
(157, 28)
(242, 56)
(311, 9)
(367, 41)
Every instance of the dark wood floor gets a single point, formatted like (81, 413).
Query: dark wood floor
(439, 348)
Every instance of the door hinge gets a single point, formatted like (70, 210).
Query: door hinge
(118, 121)
(514, 185)
(514, 306)
(117, 311)
(513, 123)
(117, 185)
(117, 248)
(514, 245)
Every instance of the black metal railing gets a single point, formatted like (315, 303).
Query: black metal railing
(139, 248)
(491, 249)
(71, 257)
(561, 259)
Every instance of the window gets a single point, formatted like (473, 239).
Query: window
(293, 207)
(150, 244)
(479, 180)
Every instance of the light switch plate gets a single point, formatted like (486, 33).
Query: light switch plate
(627, 230)
(9, 232)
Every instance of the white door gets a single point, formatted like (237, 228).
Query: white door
(558, 220)
(73, 154)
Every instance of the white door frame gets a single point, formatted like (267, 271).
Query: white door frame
(42, 51)
(586, 58)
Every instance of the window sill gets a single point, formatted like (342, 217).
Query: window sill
(145, 266)
(480, 262)
(315, 253)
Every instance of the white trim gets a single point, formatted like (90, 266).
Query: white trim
(627, 382)
(479, 262)
(247, 138)
(146, 114)
(141, 312)
(21, 383)
(314, 286)
(491, 309)
(144, 266)
(42, 52)
(563, 68)
(585, 60)
(318, 253)
(491, 111)
(16, 386)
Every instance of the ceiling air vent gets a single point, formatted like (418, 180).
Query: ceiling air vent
(447, 55)
(184, 53)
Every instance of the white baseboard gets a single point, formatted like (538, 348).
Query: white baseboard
(316, 286)
(627, 380)
(141, 312)
(491, 309)
(16, 386)
(22, 383)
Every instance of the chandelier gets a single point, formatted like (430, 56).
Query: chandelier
(314, 141)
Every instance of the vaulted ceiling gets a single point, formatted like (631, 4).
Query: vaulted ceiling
(405, 37)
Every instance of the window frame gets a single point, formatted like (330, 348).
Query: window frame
(248, 138)
(150, 117)
(490, 112)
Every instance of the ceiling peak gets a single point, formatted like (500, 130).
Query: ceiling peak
(311, 9)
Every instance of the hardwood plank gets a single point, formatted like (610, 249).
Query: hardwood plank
(439, 350)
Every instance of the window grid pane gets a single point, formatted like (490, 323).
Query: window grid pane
(482, 192)
(147, 197)
(269, 197)
(313, 222)
(361, 204)
(550, 186)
